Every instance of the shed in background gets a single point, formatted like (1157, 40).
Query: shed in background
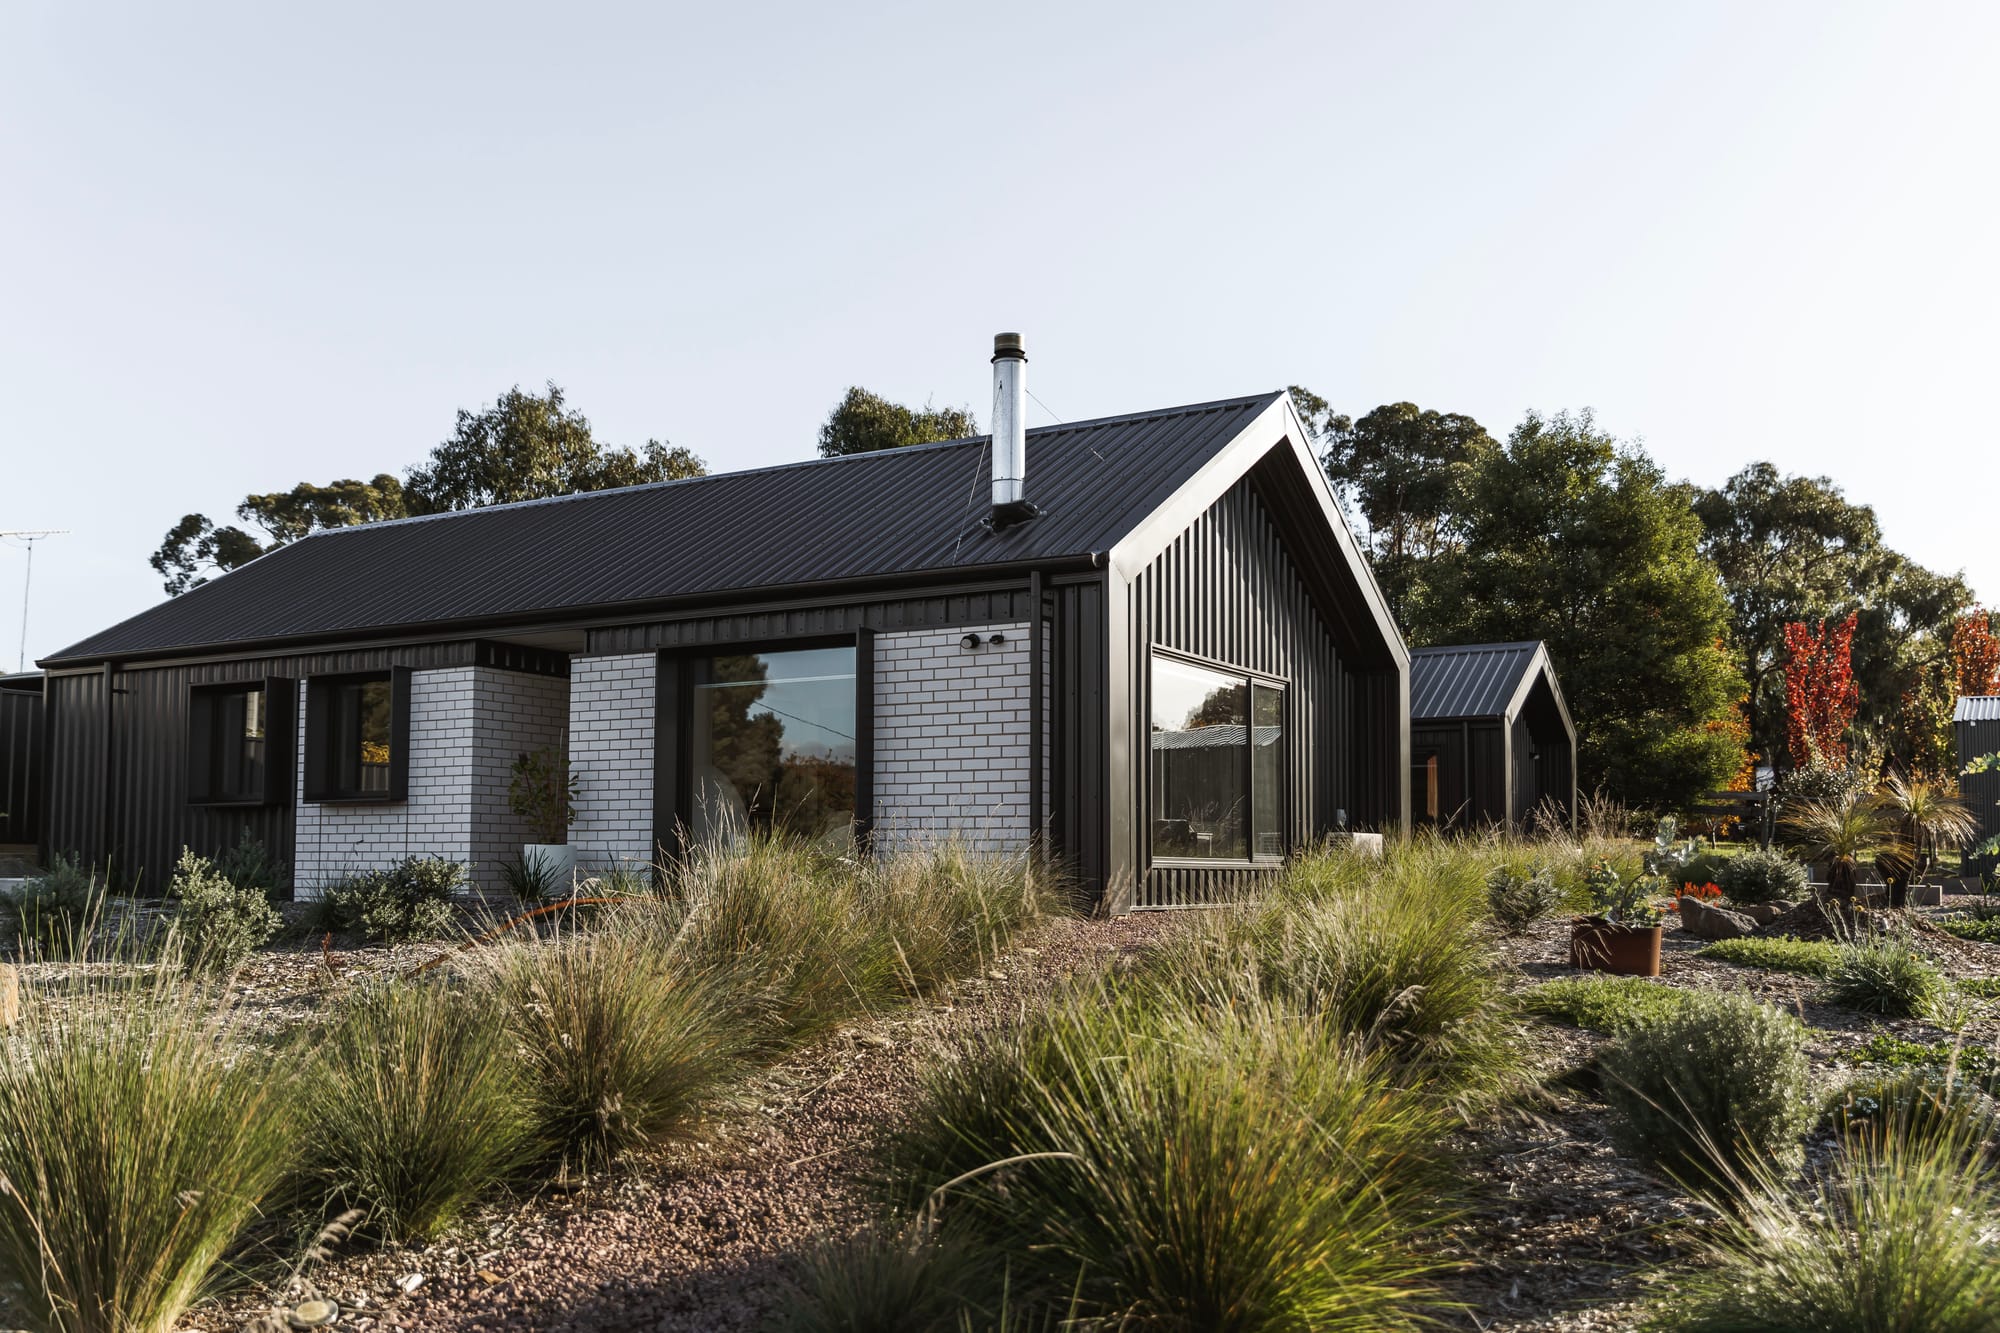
(1490, 736)
(1976, 724)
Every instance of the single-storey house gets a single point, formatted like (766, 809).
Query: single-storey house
(1490, 736)
(1154, 649)
(1975, 724)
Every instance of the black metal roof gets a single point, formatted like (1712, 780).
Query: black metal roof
(898, 512)
(1977, 708)
(1470, 680)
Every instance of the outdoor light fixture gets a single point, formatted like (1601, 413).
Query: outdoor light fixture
(970, 643)
(997, 640)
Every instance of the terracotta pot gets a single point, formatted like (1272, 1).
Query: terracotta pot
(1600, 946)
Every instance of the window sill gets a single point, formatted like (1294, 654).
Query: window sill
(230, 802)
(337, 798)
(1215, 863)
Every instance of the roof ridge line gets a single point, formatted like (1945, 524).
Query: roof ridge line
(1156, 414)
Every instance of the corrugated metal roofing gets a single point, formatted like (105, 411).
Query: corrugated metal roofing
(902, 511)
(1977, 708)
(1467, 680)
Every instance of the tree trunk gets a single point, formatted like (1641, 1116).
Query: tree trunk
(1840, 881)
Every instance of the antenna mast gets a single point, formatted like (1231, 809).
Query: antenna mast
(28, 539)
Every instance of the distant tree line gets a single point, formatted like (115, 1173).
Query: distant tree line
(1665, 605)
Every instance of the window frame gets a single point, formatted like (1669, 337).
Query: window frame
(675, 680)
(321, 783)
(274, 786)
(1252, 680)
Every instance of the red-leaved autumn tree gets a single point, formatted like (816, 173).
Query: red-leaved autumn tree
(1975, 653)
(1820, 694)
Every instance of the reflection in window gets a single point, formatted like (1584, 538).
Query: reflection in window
(773, 745)
(1424, 786)
(360, 732)
(1267, 804)
(229, 744)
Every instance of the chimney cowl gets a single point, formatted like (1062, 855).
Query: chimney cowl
(1010, 433)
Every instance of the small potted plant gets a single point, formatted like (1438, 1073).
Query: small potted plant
(543, 792)
(1622, 933)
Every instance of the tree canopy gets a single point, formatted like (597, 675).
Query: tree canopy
(525, 446)
(863, 422)
(1400, 469)
(1572, 539)
(1795, 550)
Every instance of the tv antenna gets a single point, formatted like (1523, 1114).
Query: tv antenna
(28, 539)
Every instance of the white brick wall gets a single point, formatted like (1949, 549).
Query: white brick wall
(951, 737)
(611, 708)
(466, 726)
(514, 713)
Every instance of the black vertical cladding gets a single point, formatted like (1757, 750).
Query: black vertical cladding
(1227, 590)
(1981, 790)
(21, 767)
(118, 797)
(1079, 723)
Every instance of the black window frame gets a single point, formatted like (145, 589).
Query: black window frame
(1252, 681)
(675, 678)
(322, 785)
(208, 707)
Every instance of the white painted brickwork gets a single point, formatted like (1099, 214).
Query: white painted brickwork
(466, 726)
(514, 713)
(951, 737)
(611, 709)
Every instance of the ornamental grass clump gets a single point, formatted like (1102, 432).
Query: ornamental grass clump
(1882, 973)
(1710, 1089)
(221, 922)
(138, 1138)
(1152, 1164)
(54, 914)
(1923, 1100)
(621, 1045)
(944, 911)
(415, 1105)
(1897, 1239)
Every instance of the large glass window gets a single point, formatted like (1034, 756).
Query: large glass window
(1217, 764)
(227, 745)
(773, 744)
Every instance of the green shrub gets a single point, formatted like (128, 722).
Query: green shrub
(1779, 953)
(221, 923)
(249, 865)
(1984, 988)
(1897, 1238)
(137, 1139)
(622, 1045)
(1709, 1088)
(1980, 929)
(1758, 876)
(1882, 974)
(1603, 1004)
(1182, 1166)
(408, 901)
(1518, 900)
(414, 1105)
(1898, 1053)
(54, 913)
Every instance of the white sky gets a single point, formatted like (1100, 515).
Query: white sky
(246, 246)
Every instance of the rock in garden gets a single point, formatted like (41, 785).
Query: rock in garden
(1713, 923)
(1763, 913)
(10, 995)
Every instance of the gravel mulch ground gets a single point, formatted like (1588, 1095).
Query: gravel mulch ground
(702, 1238)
